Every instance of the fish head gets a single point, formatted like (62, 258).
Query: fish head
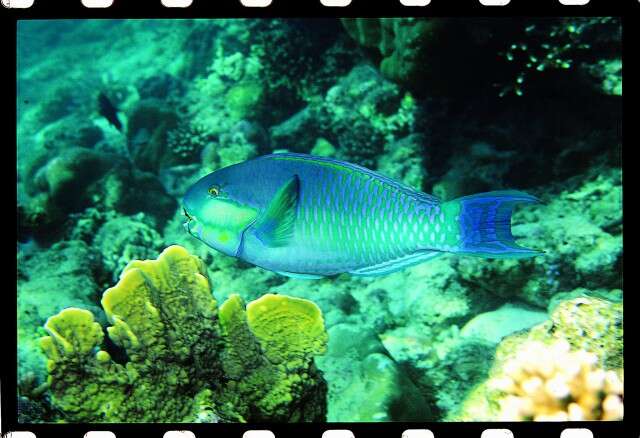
(217, 211)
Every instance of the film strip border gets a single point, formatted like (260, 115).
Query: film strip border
(23, 4)
(250, 8)
(108, 8)
(362, 430)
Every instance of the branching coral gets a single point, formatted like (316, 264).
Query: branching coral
(565, 44)
(536, 376)
(180, 364)
(187, 141)
(551, 383)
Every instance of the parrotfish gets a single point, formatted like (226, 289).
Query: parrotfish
(310, 217)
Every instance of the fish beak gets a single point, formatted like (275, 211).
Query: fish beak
(186, 225)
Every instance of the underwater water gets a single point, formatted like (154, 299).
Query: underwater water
(127, 315)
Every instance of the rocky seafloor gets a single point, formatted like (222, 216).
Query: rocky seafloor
(117, 118)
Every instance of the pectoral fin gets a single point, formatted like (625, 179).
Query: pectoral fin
(274, 227)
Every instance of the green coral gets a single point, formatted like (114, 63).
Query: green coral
(166, 367)
(182, 363)
(557, 48)
(73, 336)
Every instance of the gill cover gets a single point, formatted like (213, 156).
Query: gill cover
(222, 223)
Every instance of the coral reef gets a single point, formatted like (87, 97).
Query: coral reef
(296, 68)
(448, 106)
(403, 160)
(587, 323)
(49, 280)
(56, 184)
(123, 239)
(179, 363)
(360, 114)
(429, 53)
(268, 358)
(550, 383)
(401, 42)
(148, 126)
(244, 100)
(492, 326)
(581, 340)
(580, 232)
(186, 142)
(479, 169)
(162, 86)
(357, 362)
(576, 48)
(129, 191)
(235, 146)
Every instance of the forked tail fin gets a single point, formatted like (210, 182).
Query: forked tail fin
(485, 224)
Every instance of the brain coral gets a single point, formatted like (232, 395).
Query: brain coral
(181, 359)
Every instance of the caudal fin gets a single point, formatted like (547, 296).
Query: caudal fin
(485, 224)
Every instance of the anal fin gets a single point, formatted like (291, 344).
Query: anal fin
(390, 266)
(300, 276)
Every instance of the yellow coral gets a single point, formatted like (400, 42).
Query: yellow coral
(71, 331)
(179, 367)
(269, 353)
(161, 311)
(552, 383)
(73, 337)
(151, 293)
(290, 329)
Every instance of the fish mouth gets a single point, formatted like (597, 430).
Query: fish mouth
(188, 224)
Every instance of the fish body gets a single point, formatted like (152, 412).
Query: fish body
(310, 217)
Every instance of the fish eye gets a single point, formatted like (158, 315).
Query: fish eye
(214, 191)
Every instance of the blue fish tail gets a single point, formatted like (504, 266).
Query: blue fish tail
(485, 224)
